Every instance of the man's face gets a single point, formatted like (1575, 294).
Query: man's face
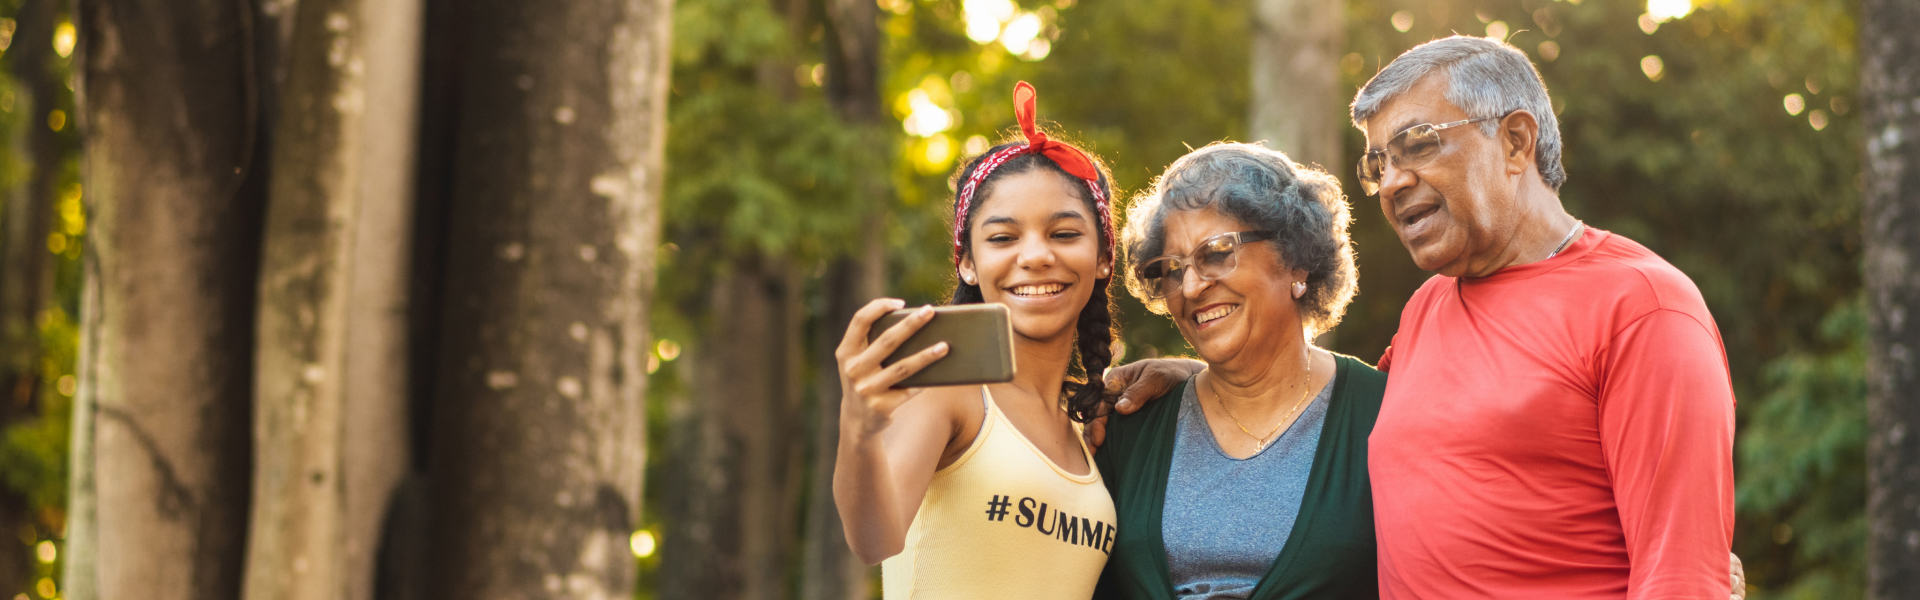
(1456, 213)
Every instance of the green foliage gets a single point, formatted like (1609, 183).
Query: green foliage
(1803, 461)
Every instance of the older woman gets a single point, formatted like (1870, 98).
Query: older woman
(1250, 481)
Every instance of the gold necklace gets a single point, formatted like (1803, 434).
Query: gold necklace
(1261, 441)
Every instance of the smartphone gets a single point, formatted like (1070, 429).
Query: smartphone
(979, 345)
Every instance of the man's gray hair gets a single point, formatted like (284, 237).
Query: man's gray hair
(1485, 78)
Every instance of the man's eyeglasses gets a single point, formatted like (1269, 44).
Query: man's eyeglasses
(1411, 149)
(1212, 259)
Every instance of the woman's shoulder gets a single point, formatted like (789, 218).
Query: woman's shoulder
(1359, 379)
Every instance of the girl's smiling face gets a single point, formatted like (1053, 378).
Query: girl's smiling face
(1035, 247)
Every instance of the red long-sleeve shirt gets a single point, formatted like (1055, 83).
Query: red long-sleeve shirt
(1562, 429)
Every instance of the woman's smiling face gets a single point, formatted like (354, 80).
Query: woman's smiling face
(1035, 247)
(1237, 318)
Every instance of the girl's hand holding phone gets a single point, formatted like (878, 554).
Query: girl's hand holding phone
(867, 394)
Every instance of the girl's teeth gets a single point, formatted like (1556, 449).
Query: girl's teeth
(1035, 290)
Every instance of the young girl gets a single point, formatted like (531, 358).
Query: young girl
(989, 491)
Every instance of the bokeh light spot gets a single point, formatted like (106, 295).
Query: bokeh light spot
(1648, 24)
(1818, 119)
(1549, 50)
(1020, 33)
(976, 145)
(63, 39)
(1403, 21)
(642, 543)
(924, 118)
(1668, 10)
(1653, 67)
(668, 350)
(1497, 31)
(1794, 104)
(46, 551)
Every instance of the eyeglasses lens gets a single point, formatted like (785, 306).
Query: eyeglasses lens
(1214, 259)
(1411, 149)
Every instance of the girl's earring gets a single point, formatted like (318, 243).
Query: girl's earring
(1105, 272)
(1299, 289)
(967, 279)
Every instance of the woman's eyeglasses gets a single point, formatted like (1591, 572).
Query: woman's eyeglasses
(1212, 259)
(1411, 149)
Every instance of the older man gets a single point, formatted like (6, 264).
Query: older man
(1558, 420)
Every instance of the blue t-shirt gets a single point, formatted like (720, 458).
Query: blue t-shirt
(1226, 519)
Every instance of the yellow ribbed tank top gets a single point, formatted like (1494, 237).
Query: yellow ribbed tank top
(1004, 522)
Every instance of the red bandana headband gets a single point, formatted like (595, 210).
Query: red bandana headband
(1069, 158)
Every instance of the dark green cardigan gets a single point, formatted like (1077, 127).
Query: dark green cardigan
(1329, 554)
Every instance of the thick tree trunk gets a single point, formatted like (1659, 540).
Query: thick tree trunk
(26, 282)
(1889, 84)
(829, 570)
(173, 174)
(539, 424)
(736, 445)
(331, 387)
(1297, 104)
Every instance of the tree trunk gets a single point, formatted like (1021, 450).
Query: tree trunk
(539, 432)
(1889, 83)
(736, 446)
(1296, 103)
(829, 570)
(333, 279)
(26, 282)
(173, 174)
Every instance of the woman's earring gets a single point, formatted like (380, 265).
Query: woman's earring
(1299, 289)
(1105, 272)
(967, 279)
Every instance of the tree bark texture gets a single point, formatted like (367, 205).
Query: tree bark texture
(553, 227)
(1890, 90)
(176, 187)
(330, 388)
(26, 276)
(829, 570)
(1297, 104)
(737, 443)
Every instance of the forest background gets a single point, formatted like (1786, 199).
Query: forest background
(806, 152)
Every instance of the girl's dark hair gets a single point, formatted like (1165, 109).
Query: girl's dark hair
(1094, 331)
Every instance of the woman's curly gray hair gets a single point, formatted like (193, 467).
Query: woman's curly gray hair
(1267, 191)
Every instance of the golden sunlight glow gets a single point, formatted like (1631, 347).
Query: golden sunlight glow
(1653, 67)
(939, 151)
(924, 118)
(984, 18)
(1403, 21)
(642, 543)
(1020, 33)
(1668, 10)
(63, 39)
(1795, 104)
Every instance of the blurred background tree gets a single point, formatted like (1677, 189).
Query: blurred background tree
(808, 148)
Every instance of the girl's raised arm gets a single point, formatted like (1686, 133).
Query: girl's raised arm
(889, 447)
